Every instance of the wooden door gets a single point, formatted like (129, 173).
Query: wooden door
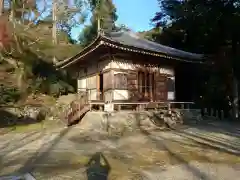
(160, 89)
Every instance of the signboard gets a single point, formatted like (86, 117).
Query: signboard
(109, 107)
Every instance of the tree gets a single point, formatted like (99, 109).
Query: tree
(29, 51)
(152, 35)
(67, 15)
(210, 27)
(103, 17)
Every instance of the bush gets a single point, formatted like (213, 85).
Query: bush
(9, 94)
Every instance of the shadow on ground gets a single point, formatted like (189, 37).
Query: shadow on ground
(205, 135)
(221, 136)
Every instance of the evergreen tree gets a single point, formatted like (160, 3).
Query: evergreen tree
(105, 12)
(210, 27)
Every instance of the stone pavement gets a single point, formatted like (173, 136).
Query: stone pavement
(203, 151)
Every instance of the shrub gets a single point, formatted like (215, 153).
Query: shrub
(9, 94)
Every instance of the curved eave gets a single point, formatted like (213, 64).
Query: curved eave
(103, 40)
(91, 47)
(111, 43)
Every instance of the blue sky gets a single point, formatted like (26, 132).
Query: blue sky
(135, 14)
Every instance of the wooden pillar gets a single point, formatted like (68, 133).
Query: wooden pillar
(145, 84)
(140, 82)
(98, 86)
(112, 84)
(151, 85)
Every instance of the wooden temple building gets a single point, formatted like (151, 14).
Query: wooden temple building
(121, 67)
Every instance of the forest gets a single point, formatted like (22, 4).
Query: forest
(36, 34)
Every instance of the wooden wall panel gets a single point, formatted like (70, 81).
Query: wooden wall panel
(160, 87)
(107, 80)
(132, 83)
(92, 82)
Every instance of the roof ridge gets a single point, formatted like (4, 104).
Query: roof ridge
(142, 41)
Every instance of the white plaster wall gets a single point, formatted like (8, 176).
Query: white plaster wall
(92, 82)
(120, 94)
(87, 79)
(166, 70)
(171, 96)
(122, 64)
(82, 84)
(92, 94)
(128, 65)
(108, 95)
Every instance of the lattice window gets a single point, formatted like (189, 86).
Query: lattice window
(120, 81)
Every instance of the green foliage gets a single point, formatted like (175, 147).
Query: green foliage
(46, 79)
(8, 94)
(210, 27)
(39, 74)
(105, 11)
(30, 51)
(200, 26)
(152, 35)
(68, 16)
(88, 34)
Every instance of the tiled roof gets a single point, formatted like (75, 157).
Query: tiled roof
(132, 39)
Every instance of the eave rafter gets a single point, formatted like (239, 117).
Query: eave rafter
(102, 40)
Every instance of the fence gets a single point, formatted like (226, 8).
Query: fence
(139, 106)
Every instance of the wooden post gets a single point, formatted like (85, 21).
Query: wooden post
(98, 85)
(112, 84)
(169, 106)
(153, 86)
(140, 80)
(145, 83)
(182, 106)
(119, 107)
(150, 86)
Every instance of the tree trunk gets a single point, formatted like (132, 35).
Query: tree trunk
(235, 98)
(235, 80)
(54, 28)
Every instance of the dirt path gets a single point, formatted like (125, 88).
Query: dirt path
(207, 151)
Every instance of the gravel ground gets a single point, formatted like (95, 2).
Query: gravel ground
(208, 151)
